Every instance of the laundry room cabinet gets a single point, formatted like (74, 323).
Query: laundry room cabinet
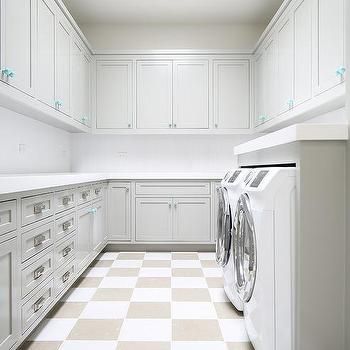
(84, 236)
(99, 225)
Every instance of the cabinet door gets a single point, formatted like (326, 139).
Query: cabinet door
(153, 219)
(192, 219)
(84, 233)
(217, 188)
(231, 93)
(302, 15)
(63, 56)
(259, 84)
(329, 44)
(16, 48)
(45, 73)
(119, 219)
(191, 95)
(285, 65)
(154, 94)
(76, 82)
(114, 95)
(86, 89)
(99, 225)
(270, 79)
(9, 297)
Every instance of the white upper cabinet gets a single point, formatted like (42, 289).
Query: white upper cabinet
(17, 17)
(191, 94)
(76, 81)
(114, 94)
(86, 88)
(259, 69)
(329, 44)
(45, 68)
(154, 94)
(269, 83)
(231, 94)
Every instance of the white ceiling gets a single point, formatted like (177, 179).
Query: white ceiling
(172, 11)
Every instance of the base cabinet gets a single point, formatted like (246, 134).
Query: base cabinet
(99, 225)
(84, 237)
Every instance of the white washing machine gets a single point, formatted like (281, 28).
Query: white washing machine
(263, 228)
(229, 192)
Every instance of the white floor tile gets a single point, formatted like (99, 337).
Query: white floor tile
(233, 330)
(79, 295)
(127, 263)
(191, 310)
(198, 345)
(186, 263)
(218, 295)
(96, 272)
(105, 310)
(88, 345)
(108, 256)
(118, 282)
(145, 330)
(157, 256)
(151, 294)
(53, 329)
(188, 282)
(155, 272)
(206, 256)
(212, 272)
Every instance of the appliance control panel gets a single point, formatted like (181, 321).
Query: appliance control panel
(258, 178)
(234, 176)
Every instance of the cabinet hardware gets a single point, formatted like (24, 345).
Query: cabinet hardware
(169, 205)
(175, 205)
(38, 240)
(65, 200)
(129, 125)
(66, 251)
(66, 225)
(175, 125)
(38, 272)
(58, 104)
(93, 210)
(97, 191)
(290, 103)
(85, 194)
(170, 125)
(39, 304)
(261, 118)
(127, 189)
(9, 73)
(341, 71)
(216, 125)
(38, 208)
(65, 277)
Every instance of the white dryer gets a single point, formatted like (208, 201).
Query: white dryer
(263, 228)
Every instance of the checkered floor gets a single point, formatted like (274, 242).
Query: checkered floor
(148, 301)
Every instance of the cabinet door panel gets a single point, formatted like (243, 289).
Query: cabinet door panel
(99, 226)
(86, 89)
(192, 219)
(153, 219)
(114, 95)
(154, 94)
(191, 95)
(231, 93)
(270, 79)
(259, 84)
(76, 82)
(84, 241)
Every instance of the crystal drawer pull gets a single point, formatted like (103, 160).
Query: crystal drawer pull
(38, 240)
(97, 191)
(38, 272)
(66, 225)
(65, 277)
(66, 251)
(85, 194)
(38, 208)
(39, 304)
(65, 200)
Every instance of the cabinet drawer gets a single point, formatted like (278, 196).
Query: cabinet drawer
(65, 250)
(65, 225)
(34, 308)
(36, 240)
(97, 191)
(84, 194)
(64, 276)
(8, 217)
(36, 273)
(172, 188)
(64, 200)
(36, 208)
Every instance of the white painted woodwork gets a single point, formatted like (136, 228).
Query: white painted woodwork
(154, 94)
(84, 233)
(8, 216)
(98, 191)
(65, 225)
(84, 194)
(154, 219)
(99, 225)
(36, 208)
(76, 81)
(231, 94)
(270, 78)
(45, 56)
(191, 95)
(64, 276)
(191, 219)
(86, 89)
(9, 315)
(259, 86)
(17, 42)
(65, 250)
(216, 199)
(172, 188)
(119, 210)
(114, 94)
(64, 200)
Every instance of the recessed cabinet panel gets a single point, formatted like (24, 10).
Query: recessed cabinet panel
(269, 84)
(8, 216)
(99, 225)
(114, 95)
(260, 109)
(231, 94)
(86, 89)
(84, 241)
(154, 94)
(76, 82)
(191, 95)
(36, 208)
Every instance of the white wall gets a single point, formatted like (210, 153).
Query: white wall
(28, 146)
(138, 37)
(160, 153)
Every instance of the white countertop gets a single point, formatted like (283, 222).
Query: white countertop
(297, 132)
(28, 182)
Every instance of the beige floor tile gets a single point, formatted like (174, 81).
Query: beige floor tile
(41, 345)
(149, 310)
(153, 282)
(87, 282)
(215, 282)
(184, 256)
(209, 263)
(96, 330)
(227, 310)
(113, 294)
(239, 346)
(123, 272)
(184, 272)
(140, 345)
(131, 256)
(196, 330)
(156, 263)
(190, 294)
(102, 263)
(67, 310)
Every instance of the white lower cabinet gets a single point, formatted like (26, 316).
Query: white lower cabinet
(84, 237)
(99, 225)
(9, 287)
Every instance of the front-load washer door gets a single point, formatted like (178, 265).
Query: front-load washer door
(244, 249)
(224, 224)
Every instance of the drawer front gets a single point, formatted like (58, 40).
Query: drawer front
(36, 208)
(64, 276)
(65, 225)
(97, 191)
(36, 240)
(172, 188)
(36, 273)
(34, 308)
(64, 200)
(65, 250)
(84, 195)
(8, 217)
